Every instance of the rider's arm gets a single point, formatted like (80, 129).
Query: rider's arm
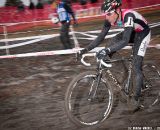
(128, 29)
(100, 37)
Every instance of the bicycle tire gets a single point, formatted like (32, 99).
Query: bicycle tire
(151, 90)
(78, 103)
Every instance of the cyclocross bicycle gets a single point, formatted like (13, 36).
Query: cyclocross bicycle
(90, 96)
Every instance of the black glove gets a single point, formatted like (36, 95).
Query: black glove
(111, 54)
(102, 53)
(80, 53)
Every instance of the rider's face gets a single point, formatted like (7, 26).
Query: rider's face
(111, 17)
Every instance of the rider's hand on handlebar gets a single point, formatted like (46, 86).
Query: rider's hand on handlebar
(102, 53)
(111, 54)
(80, 53)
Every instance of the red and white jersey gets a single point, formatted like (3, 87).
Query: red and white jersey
(131, 18)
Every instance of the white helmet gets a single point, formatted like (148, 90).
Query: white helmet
(55, 20)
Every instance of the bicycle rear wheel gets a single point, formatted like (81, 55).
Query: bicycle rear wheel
(81, 106)
(151, 90)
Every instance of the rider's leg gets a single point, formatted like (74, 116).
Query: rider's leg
(137, 66)
(64, 36)
(140, 45)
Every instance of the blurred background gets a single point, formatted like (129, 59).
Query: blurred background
(32, 89)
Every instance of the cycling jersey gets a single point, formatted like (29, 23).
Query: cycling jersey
(131, 18)
(132, 22)
(62, 13)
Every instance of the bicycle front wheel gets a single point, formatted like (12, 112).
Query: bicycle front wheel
(86, 106)
(151, 90)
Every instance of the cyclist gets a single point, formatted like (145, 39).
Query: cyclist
(136, 31)
(64, 11)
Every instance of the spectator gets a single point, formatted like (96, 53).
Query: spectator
(54, 4)
(39, 5)
(64, 11)
(20, 6)
(31, 6)
(83, 2)
(94, 1)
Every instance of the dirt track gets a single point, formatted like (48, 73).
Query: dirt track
(32, 90)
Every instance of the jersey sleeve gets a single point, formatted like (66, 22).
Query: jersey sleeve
(100, 37)
(128, 29)
(129, 20)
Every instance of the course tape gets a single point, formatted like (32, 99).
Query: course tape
(44, 37)
(62, 52)
(28, 42)
(89, 35)
(28, 38)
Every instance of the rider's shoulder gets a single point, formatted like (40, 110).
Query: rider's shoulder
(127, 10)
(128, 13)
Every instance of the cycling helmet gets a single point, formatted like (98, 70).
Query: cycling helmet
(111, 5)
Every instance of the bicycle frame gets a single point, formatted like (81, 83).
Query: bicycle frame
(105, 67)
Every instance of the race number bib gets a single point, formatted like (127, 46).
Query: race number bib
(129, 22)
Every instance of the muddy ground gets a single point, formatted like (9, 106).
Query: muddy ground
(32, 89)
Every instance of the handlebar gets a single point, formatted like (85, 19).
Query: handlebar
(94, 55)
